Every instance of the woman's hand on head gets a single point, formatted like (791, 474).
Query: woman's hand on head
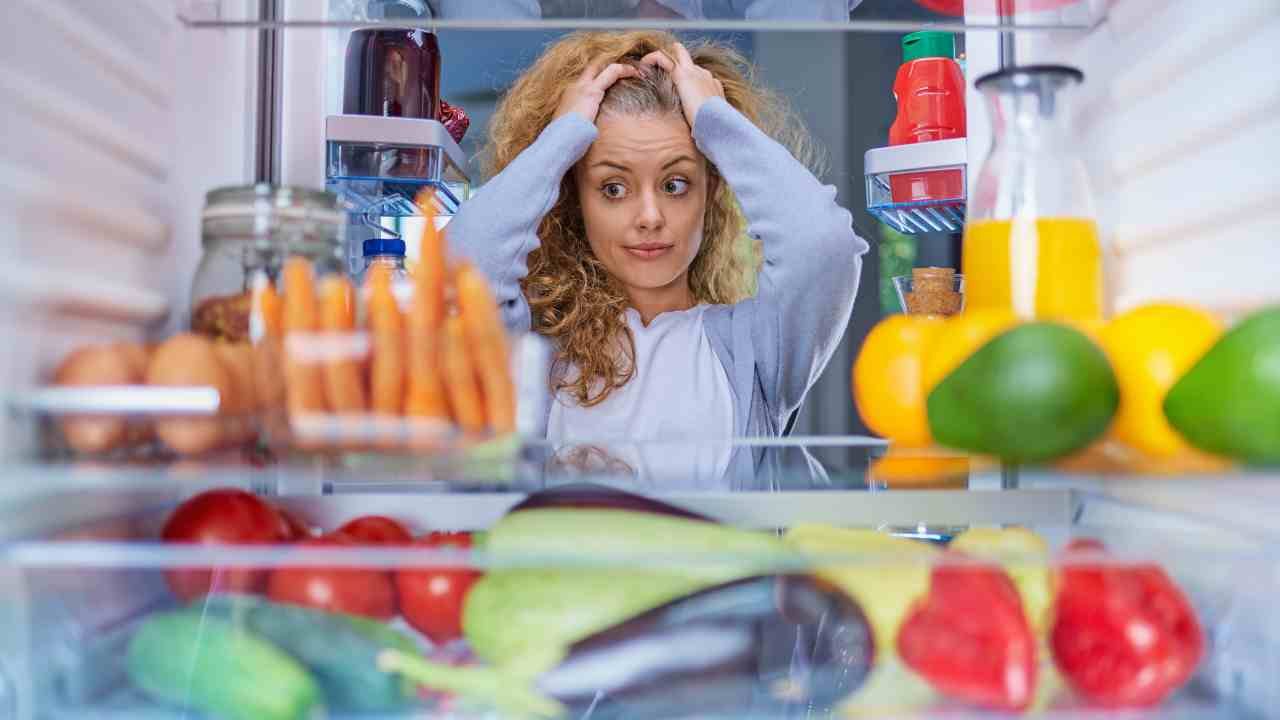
(586, 93)
(694, 83)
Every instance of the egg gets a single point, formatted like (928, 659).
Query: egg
(98, 365)
(189, 360)
(237, 358)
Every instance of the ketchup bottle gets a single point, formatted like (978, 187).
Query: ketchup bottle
(929, 88)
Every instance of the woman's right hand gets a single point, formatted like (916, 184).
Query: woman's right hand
(586, 93)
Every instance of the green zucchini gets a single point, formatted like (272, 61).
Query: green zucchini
(341, 651)
(210, 664)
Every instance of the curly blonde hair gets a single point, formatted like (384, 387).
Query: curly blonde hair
(573, 299)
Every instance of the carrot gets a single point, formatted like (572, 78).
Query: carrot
(488, 346)
(465, 399)
(386, 326)
(431, 274)
(344, 388)
(426, 395)
(304, 383)
(266, 328)
(267, 320)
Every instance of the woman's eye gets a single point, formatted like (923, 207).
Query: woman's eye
(614, 191)
(676, 186)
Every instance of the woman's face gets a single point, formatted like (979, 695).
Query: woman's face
(643, 190)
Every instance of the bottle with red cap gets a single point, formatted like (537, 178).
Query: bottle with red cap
(929, 88)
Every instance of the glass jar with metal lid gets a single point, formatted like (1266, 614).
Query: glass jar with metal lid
(250, 230)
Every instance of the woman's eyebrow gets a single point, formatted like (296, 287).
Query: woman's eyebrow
(610, 163)
(677, 159)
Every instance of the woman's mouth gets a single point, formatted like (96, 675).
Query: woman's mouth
(648, 251)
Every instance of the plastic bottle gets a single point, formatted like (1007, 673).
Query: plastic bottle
(929, 88)
(389, 252)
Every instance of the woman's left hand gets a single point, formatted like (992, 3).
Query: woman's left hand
(694, 83)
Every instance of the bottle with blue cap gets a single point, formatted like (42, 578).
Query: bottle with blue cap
(389, 252)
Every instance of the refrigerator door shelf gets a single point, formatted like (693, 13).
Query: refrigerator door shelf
(380, 165)
(918, 188)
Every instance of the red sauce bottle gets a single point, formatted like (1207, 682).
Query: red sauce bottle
(929, 88)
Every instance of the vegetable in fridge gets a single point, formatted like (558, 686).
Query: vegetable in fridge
(752, 646)
(209, 664)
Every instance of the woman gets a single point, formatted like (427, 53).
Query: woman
(612, 227)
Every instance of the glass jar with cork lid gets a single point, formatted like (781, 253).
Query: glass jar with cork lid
(248, 231)
(931, 291)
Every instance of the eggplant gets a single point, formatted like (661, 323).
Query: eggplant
(766, 645)
(592, 495)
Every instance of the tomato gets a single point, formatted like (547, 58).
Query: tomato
(970, 639)
(353, 590)
(298, 530)
(1125, 635)
(226, 516)
(375, 530)
(431, 598)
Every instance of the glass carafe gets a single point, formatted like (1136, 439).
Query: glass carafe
(1031, 242)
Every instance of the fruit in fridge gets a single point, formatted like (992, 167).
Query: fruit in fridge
(1229, 402)
(961, 336)
(888, 378)
(1151, 347)
(210, 664)
(224, 516)
(356, 590)
(431, 598)
(1034, 393)
(374, 530)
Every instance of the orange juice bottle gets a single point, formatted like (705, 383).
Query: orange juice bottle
(1031, 244)
(1038, 267)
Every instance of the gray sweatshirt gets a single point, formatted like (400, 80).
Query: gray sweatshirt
(772, 346)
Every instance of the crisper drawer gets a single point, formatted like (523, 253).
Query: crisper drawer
(820, 600)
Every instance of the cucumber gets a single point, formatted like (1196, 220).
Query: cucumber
(210, 664)
(341, 651)
(387, 637)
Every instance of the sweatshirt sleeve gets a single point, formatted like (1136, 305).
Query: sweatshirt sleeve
(812, 256)
(497, 228)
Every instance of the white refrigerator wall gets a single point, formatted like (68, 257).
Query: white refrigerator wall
(115, 121)
(1179, 126)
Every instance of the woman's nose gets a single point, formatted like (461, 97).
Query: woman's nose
(650, 215)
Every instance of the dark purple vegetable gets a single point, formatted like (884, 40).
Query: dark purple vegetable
(590, 495)
(753, 647)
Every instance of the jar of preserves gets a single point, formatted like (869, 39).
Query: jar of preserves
(248, 231)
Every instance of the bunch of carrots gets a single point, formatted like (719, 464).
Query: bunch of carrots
(447, 358)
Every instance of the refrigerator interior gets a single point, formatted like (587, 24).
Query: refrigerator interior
(111, 143)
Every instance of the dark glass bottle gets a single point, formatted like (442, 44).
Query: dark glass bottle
(394, 72)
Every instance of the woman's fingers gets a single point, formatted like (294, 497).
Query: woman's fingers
(682, 55)
(659, 58)
(612, 74)
(591, 71)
